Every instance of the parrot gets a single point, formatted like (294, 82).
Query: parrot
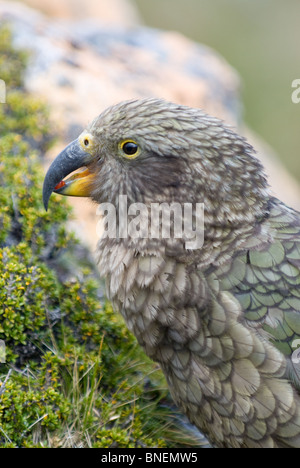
(222, 317)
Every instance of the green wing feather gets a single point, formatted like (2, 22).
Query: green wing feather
(267, 282)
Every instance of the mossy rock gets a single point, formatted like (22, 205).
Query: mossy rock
(74, 376)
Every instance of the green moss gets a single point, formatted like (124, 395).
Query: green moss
(27, 116)
(74, 375)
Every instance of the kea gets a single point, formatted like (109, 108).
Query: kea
(222, 319)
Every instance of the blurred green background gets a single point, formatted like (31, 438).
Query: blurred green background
(261, 39)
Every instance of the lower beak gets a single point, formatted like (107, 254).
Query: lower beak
(79, 184)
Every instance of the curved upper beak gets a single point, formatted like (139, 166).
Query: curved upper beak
(70, 159)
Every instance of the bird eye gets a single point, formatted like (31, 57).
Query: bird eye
(130, 148)
(86, 142)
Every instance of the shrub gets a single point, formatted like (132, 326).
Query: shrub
(74, 376)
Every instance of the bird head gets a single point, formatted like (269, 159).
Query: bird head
(156, 151)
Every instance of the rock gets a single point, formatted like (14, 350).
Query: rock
(81, 66)
(118, 12)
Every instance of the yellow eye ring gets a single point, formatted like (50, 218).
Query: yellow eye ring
(130, 148)
(86, 141)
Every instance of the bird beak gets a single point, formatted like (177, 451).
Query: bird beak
(79, 184)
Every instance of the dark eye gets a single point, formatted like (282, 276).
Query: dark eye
(130, 148)
(86, 142)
